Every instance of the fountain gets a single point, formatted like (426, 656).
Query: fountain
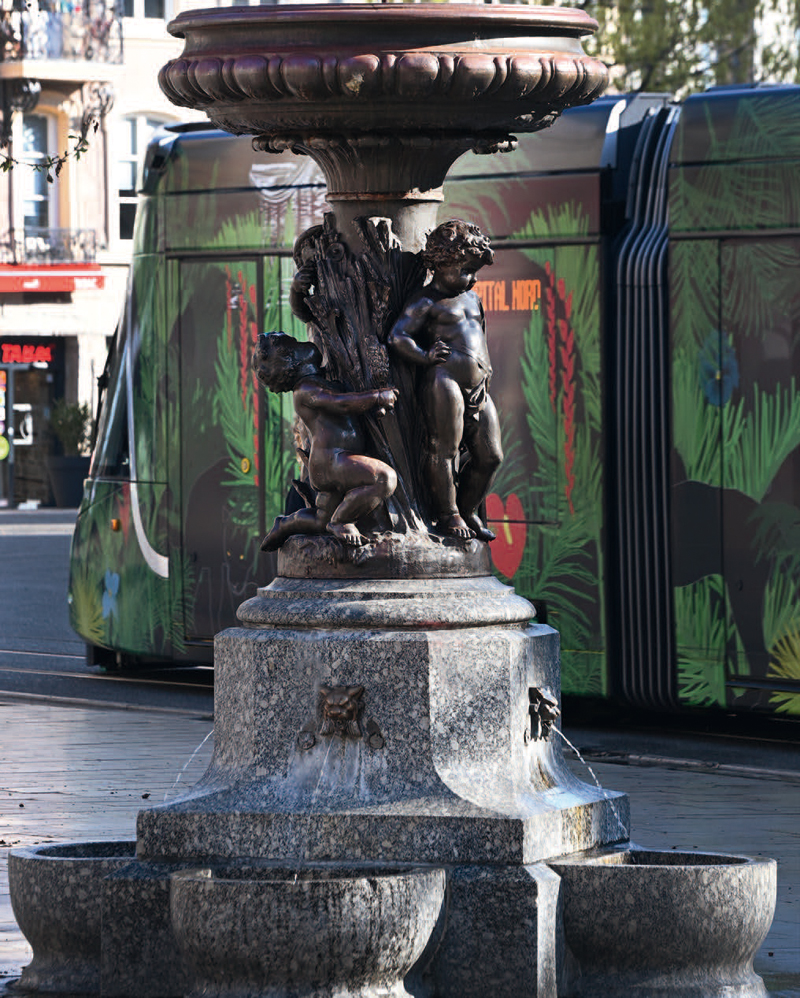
(387, 811)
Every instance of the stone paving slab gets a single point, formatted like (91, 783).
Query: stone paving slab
(68, 774)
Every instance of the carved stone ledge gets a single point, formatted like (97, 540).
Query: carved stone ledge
(385, 604)
(268, 70)
(414, 555)
(397, 167)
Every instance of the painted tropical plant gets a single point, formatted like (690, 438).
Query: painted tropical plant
(736, 408)
(547, 503)
(239, 408)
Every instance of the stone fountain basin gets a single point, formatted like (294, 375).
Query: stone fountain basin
(55, 896)
(343, 67)
(648, 924)
(249, 930)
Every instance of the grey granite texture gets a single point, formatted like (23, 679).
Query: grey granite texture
(55, 894)
(250, 931)
(139, 955)
(501, 934)
(438, 766)
(399, 604)
(644, 924)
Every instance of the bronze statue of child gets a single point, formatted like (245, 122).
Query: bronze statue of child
(348, 483)
(442, 330)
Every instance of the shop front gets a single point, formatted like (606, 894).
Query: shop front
(31, 378)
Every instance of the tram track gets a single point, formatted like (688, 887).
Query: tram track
(127, 678)
(28, 653)
(94, 704)
(63, 685)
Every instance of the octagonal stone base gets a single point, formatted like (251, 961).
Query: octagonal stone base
(372, 728)
(392, 723)
(437, 761)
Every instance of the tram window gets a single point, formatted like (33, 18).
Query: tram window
(112, 453)
(145, 8)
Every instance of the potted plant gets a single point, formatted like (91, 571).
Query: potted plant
(71, 422)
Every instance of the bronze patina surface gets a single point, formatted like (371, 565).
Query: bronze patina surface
(366, 68)
(385, 98)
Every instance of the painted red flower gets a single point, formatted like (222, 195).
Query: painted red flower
(507, 520)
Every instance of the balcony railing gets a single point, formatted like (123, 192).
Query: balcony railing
(60, 29)
(48, 247)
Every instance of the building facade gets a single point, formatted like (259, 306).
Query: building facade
(65, 232)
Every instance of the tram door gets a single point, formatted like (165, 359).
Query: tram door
(759, 376)
(221, 517)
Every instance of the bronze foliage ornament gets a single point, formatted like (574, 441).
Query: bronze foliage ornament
(393, 389)
(349, 301)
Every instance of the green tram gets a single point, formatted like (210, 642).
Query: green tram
(643, 315)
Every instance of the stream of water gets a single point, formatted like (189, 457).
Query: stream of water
(314, 795)
(603, 791)
(186, 766)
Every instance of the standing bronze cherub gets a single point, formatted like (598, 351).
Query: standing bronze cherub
(347, 483)
(436, 351)
(442, 330)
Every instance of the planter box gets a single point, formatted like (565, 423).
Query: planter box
(67, 475)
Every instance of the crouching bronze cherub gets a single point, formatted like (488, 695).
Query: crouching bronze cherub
(347, 483)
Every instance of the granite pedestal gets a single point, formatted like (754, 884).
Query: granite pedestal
(393, 723)
(387, 771)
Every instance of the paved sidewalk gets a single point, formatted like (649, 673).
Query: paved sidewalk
(68, 773)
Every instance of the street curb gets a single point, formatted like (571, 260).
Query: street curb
(695, 765)
(41, 698)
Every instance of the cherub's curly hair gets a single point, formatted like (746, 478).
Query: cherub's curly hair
(276, 361)
(456, 242)
(306, 239)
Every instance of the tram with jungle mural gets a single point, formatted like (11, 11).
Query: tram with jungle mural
(643, 316)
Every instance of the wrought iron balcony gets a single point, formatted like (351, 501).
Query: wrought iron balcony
(48, 247)
(77, 30)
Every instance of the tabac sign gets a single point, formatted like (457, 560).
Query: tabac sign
(13, 352)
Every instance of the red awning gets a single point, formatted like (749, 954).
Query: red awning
(15, 278)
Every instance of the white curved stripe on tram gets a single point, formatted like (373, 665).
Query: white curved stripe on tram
(159, 563)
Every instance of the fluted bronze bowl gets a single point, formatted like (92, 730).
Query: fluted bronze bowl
(478, 70)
